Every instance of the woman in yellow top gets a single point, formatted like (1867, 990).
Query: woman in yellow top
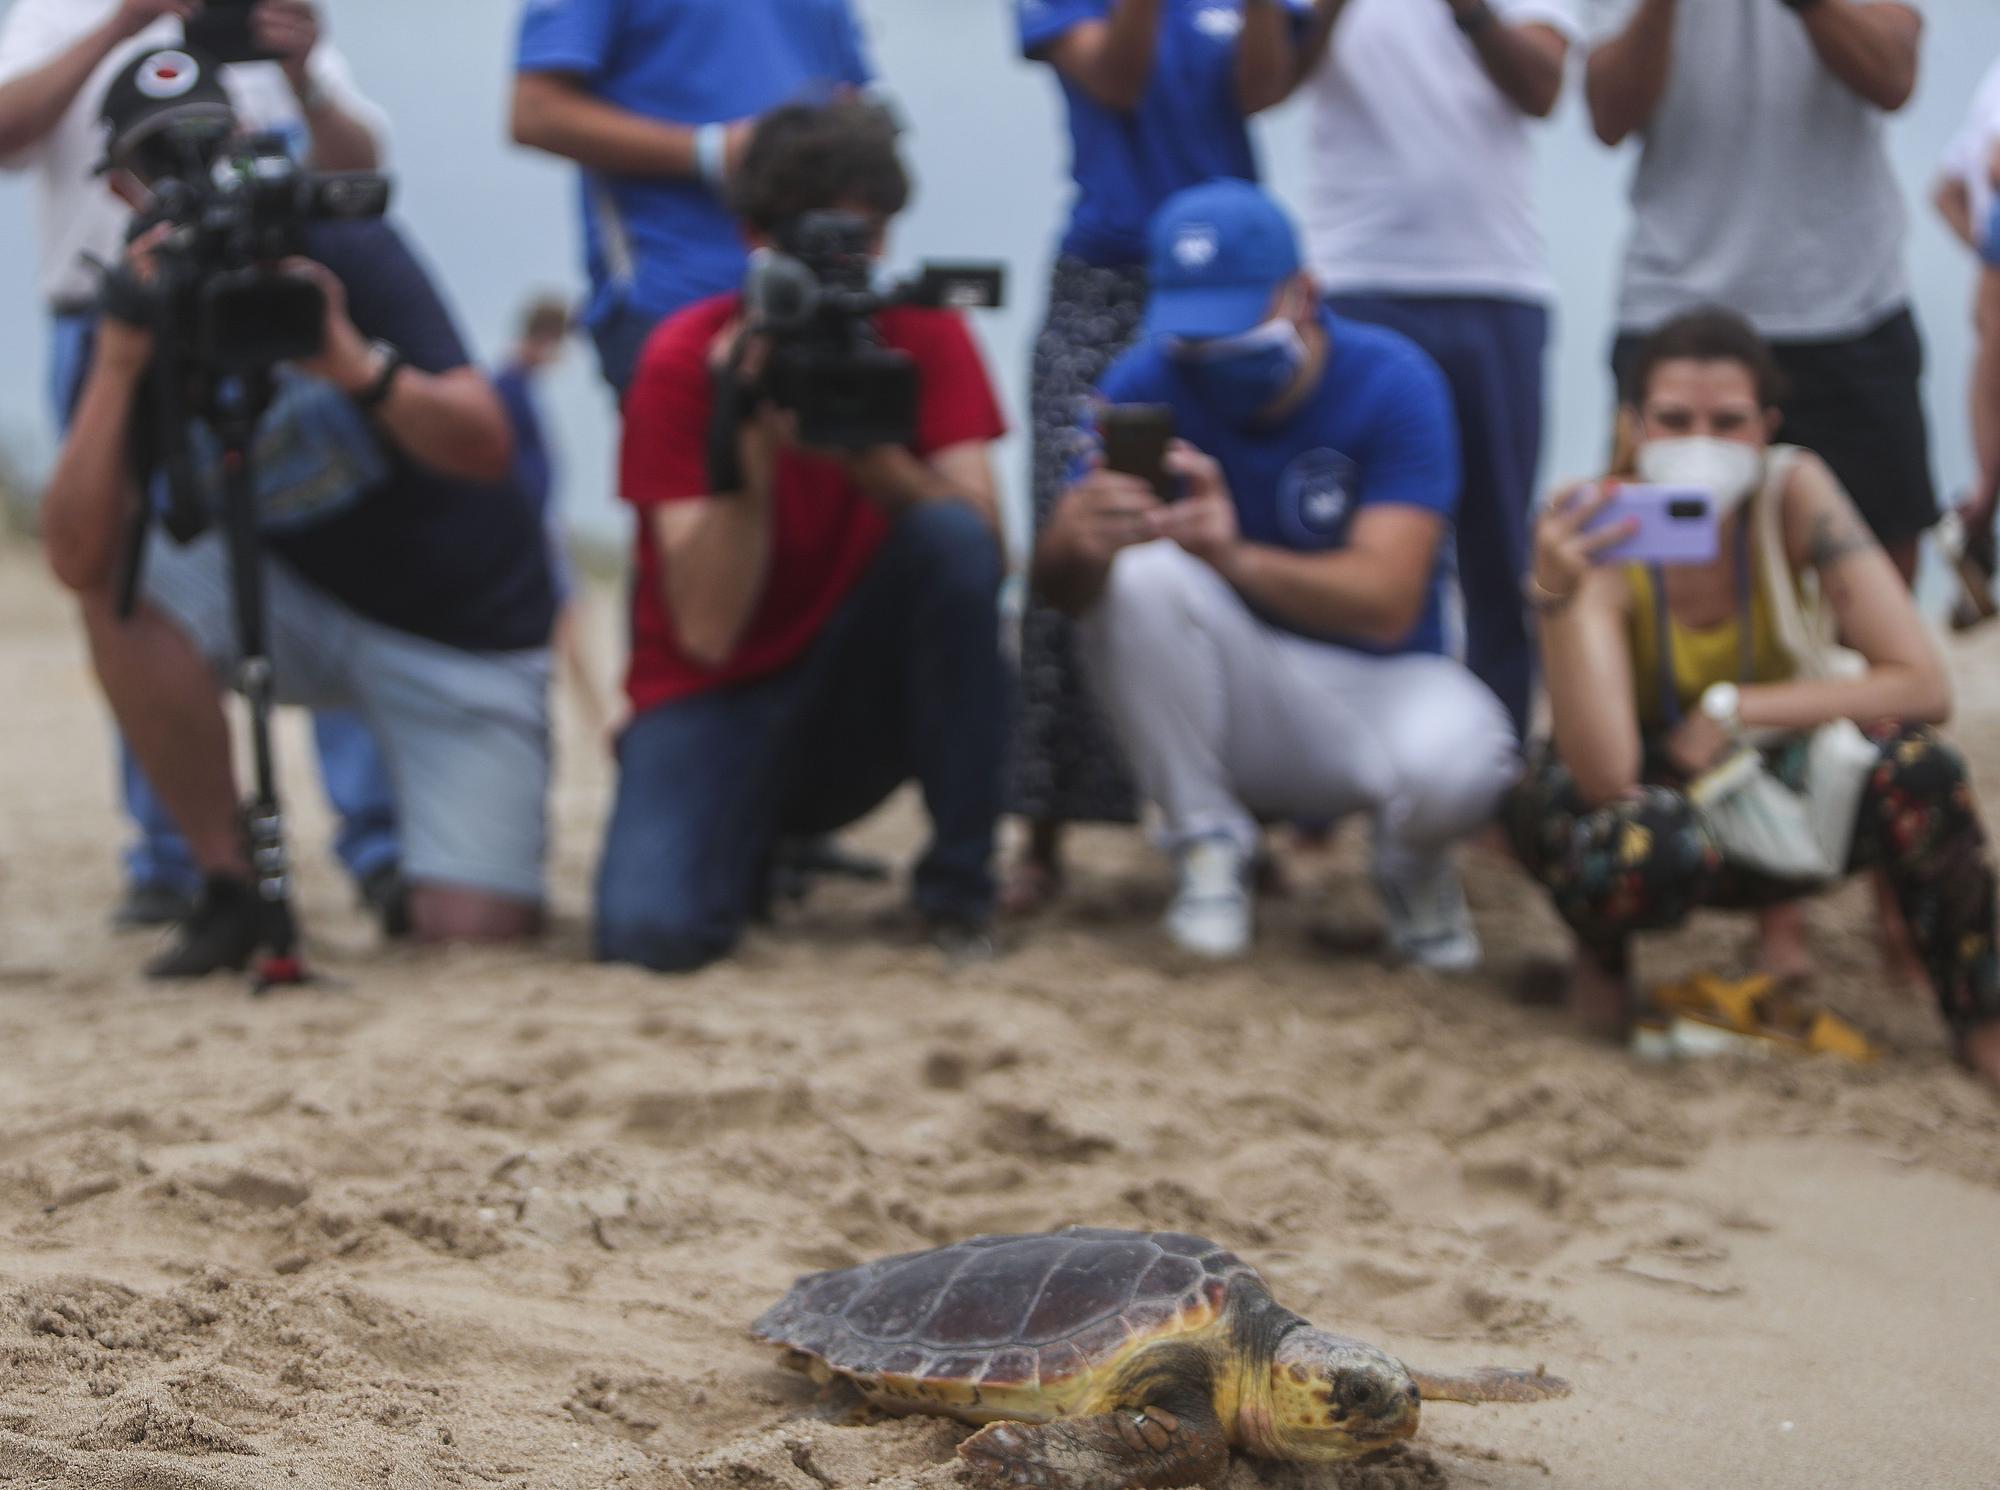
(1654, 673)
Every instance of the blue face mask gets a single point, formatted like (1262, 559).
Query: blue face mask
(1240, 377)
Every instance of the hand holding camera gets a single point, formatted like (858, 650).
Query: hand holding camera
(287, 30)
(134, 16)
(346, 358)
(125, 335)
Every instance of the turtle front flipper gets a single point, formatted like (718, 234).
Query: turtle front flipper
(1147, 1448)
(1494, 1384)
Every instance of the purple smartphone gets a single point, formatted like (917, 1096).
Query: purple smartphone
(1676, 525)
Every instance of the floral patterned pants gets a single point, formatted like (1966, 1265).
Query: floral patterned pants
(1646, 861)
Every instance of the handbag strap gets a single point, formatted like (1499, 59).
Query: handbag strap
(1663, 628)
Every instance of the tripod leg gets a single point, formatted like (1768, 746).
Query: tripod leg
(264, 823)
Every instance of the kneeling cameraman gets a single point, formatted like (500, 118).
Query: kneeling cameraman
(815, 627)
(404, 575)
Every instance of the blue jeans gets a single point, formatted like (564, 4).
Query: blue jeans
(905, 681)
(1491, 352)
(350, 763)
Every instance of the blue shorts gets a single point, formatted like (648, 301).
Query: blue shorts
(466, 734)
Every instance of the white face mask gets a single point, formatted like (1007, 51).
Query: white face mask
(1730, 469)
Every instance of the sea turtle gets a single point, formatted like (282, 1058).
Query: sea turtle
(1109, 1360)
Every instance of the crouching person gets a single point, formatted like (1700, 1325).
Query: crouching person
(1270, 646)
(1659, 673)
(821, 629)
(404, 576)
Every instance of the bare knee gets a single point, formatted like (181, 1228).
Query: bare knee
(452, 913)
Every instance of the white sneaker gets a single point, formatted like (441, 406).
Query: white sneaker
(1210, 916)
(1430, 925)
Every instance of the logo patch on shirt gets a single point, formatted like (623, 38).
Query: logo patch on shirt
(1219, 21)
(1196, 246)
(168, 75)
(1316, 497)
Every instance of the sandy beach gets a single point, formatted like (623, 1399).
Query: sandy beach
(502, 1220)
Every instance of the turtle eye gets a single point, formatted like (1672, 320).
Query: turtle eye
(1357, 1394)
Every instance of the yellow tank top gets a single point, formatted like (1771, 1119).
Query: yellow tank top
(1703, 657)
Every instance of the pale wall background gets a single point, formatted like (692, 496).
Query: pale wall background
(990, 155)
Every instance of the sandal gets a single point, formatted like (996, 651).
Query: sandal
(1710, 1015)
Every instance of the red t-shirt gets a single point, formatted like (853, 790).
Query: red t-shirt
(825, 530)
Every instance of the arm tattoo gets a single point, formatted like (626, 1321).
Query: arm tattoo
(1836, 536)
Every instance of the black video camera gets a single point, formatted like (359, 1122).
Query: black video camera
(815, 299)
(234, 213)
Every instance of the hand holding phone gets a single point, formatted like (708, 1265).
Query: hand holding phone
(1136, 437)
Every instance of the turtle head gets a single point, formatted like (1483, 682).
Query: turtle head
(1333, 1398)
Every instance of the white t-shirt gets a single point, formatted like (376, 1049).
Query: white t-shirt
(1764, 183)
(75, 212)
(1969, 157)
(1422, 176)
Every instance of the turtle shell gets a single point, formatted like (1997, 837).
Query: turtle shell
(1021, 1313)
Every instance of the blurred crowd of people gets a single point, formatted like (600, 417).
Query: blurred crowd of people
(1333, 597)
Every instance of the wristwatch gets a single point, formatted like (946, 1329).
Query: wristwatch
(1722, 703)
(1800, 4)
(377, 392)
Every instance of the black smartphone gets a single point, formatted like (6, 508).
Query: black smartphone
(1135, 438)
(221, 28)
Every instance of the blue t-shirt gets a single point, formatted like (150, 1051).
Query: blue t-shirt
(656, 243)
(1188, 128)
(455, 562)
(1379, 430)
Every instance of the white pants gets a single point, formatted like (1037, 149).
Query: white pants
(1228, 720)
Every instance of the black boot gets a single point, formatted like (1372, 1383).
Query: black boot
(222, 932)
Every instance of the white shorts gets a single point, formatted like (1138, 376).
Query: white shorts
(466, 734)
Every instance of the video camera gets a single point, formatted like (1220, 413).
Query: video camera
(814, 297)
(234, 212)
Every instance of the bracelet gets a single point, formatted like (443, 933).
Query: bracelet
(1478, 17)
(1545, 602)
(711, 154)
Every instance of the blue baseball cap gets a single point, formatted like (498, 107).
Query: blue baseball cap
(1218, 253)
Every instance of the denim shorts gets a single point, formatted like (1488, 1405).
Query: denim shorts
(466, 734)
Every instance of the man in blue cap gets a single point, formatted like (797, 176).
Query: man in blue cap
(1272, 644)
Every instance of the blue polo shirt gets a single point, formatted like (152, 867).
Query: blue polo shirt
(1378, 431)
(655, 243)
(1188, 128)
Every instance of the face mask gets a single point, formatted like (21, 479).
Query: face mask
(1728, 468)
(1239, 377)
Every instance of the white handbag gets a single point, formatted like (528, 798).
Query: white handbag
(1758, 821)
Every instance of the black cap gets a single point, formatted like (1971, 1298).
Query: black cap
(166, 96)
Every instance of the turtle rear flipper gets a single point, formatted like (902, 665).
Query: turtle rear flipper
(1493, 1384)
(1130, 1449)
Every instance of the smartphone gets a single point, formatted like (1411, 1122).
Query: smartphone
(1135, 438)
(1674, 525)
(221, 28)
